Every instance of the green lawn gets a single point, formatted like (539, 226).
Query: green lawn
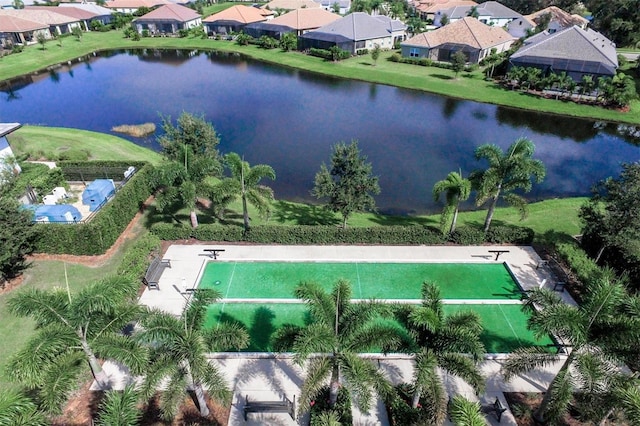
(49, 142)
(15, 331)
(435, 80)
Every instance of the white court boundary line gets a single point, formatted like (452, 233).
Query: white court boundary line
(233, 271)
(389, 301)
(510, 326)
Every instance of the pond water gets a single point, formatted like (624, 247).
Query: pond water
(290, 119)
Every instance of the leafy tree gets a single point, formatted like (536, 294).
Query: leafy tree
(338, 331)
(16, 238)
(596, 332)
(335, 8)
(191, 136)
(288, 42)
(456, 189)
(587, 84)
(119, 408)
(77, 33)
(466, 413)
(611, 222)
(41, 39)
(473, 12)
(458, 62)
(349, 185)
(375, 53)
(178, 352)
(415, 25)
(17, 409)
(449, 342)
(72, 331)
(506, 172)
(619, 20)
(444, 20)
(245, 183)
(623, 89)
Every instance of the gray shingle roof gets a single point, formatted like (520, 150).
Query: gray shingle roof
(490, 8)
(355, 26)
(571, 44)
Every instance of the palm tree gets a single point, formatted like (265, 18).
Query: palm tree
(338, 331)
(466, 413)
(596, 332)
(17, 409)
(74, 330)
(178, 349)
(182, 182)
(245, 183)
(506, 172)
(119, 408)
(587, 84)
(449, 342)
(456, 189)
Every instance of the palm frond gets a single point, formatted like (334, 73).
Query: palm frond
(60, 380)
(361, 376)
(17, 409)
(315, 338)
(466, 413)
(630, 399)
(123, 349)
(45, 307)
(469, 320)
(562, 320)
(214, 381)
(173, 395)
(285, 337)
(557, 398)
(320, 304)
(526, 359)
(119, 408)
(318, 371)
(161, 366)
(158, 326)
(375, 335)
(463, 367)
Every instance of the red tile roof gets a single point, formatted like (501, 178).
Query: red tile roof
(468, 31)
(171, 12)
(14, 24)
(240, 13)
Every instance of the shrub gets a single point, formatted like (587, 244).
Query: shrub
(183, 32)
(74, 155)
(467, 236)
(509, 234)
(399, 408)
(267, 42)
(578, 260)
(146, 33)
(395, 57)
(361, 52)
(243, 39)
(136, 259)
(342, 408)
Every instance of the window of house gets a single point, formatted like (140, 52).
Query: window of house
(414, 52)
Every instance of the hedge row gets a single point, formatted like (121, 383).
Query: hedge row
(96, 236)
(304, 234)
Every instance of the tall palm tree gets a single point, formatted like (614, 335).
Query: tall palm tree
(449, 342)
(245, 183)
(178, 349)
(183, 181)
(72, 330)
(587, 84)
(596, 332)
(506, 172)
(338, 332)
(456, 189)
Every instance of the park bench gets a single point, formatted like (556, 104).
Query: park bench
(497, 408)
(154, 272)
(212, 252)
(284, 406)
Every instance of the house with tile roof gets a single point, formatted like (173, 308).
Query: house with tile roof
(298, 22)
(574, 50)
(490, 13)
(427, 9)
(553, 18)
(355, 32)
(57, 22)
(15, 30)
(468, 35)
(82, 16)
(167, 19)
(100, 14)
(232, 20)
(131, 6)
(291, 5)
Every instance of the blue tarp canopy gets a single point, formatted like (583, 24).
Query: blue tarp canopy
(56, 213)
(97, 192)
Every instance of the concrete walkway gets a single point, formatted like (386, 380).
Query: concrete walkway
(272, 376)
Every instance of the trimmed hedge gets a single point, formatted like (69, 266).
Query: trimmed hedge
(137, 258)
(96, 236)
(307, 234)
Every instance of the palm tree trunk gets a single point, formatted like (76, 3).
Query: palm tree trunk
(96, 369)
(453, 222)
(344, 221)
(539, 414)
(334, 386)
(194, 219)
(417, 393)
(202, 402)
(492, 208)
(245, 212)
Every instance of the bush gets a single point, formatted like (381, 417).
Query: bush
(579, 261)
(467, 236)
(396, 57)
(342, 408)
(509, 235)
(244, 39)
(137, 258)
(400, 411)
(267, 42)
(361, 52)
(146, 33)
(183, 32)
(74, 155)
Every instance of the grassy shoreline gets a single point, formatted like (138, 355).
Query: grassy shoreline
(468, 86)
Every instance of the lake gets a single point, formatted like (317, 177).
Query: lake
(290, 119)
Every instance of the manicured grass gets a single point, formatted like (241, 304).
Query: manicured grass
(435, 80)
(36, 140)
(505, 326)
(269, 280)
(16, 331)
